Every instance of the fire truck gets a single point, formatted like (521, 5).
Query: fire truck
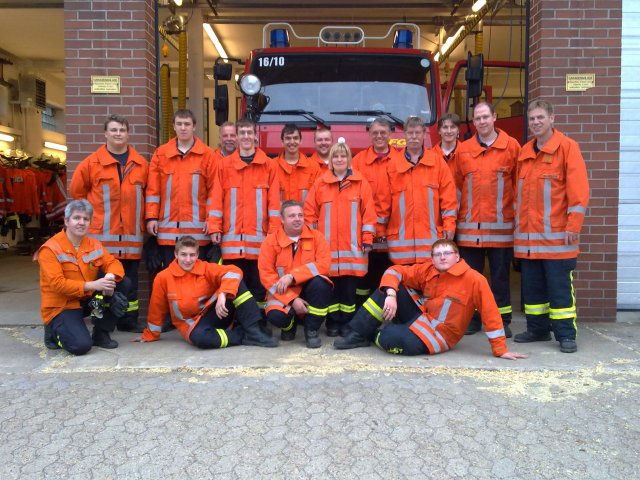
(343, 84)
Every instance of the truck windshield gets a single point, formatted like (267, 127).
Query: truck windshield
(331, 85)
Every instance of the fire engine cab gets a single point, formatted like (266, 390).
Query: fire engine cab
(340, 83)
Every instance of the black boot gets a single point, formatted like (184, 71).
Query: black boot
(253, 335)
(235, 336)
(312, 338)
(475, 325)
(102, 339)
(507, 330)
(49, 338)
(288, 334)
(352, 340)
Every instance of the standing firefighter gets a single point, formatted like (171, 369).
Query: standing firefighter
(551, 203)
(113, 179)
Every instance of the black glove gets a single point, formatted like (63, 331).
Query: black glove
(119, 304)
(214, 255)
(152, 255)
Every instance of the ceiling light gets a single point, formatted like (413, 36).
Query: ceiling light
(216, 43)
(6, 138)
(477, 6)
(55, 146)
(177, 3)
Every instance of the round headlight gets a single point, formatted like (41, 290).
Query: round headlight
(249, 84)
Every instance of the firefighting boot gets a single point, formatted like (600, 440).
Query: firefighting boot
(101, 338)
(352, 340)
(312, 338)
(49, 338)
(288, 333)
(235, 336)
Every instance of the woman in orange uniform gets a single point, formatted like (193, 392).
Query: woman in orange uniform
(340, 205)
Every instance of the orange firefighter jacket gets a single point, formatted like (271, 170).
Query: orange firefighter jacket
(485, 178)
(186, 296)
(178, 190)
(296, 180)
(420, 202)
(312, 259)
(449, 159)
(64, 271)
(552, 198)
(373, 166)
(344, 211)
(449, 300)
(118, 205)
(315, 158)
(245, 204)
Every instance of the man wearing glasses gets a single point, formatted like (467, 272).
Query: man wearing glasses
(426, 308)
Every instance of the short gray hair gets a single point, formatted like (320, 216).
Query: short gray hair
(81, 205)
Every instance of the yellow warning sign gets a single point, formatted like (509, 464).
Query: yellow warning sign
(579, 82)
(105, 84)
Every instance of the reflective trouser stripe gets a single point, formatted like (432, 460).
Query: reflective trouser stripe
(290, 326)
(333, 308)
(242, 298)
(347, 308)
(562, 313)
(506, 309)
(133, 306)
(363, 292)
(377, 340)
(374, 309)
(224, 340)
(319, 312)
(539, 309)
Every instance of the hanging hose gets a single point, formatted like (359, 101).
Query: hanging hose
(182, 70)
(166, 103)
(479, 42)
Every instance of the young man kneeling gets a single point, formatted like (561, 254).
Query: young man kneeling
(202, 298)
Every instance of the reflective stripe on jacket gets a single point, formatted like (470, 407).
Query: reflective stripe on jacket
(451, 297)
(296, 180)
(373, 167)
(485, 178)
(64, 271)
(118, 206)
(312, 259)
(346, 216)
(420, 202)
(178, 191)
(245, 204)
(186, 296)
(552, 198)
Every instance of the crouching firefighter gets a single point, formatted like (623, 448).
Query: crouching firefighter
(74, 267)
(432, 303)
(294, 263)
(203, 299)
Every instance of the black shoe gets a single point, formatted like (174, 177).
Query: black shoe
(507, 330)
(528, 337)
(333, 331)
(312, 339)
(49, 338)
(568, 345)
(130, 328)
(474, 326)
(352, 340)
(288, 335)
(102, 339)
(257, 338)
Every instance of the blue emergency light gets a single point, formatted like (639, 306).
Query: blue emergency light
(403, 39)
(279, 38)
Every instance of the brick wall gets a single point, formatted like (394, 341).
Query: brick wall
(115, 37)
(584, 36)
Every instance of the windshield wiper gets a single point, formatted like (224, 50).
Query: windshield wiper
(368, 113)
(302, 113)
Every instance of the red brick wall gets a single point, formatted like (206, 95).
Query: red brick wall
(584, 36)
(115, 37)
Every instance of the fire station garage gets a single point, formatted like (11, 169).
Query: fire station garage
(66, 66)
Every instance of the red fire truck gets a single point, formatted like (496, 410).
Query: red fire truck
(342, 83)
